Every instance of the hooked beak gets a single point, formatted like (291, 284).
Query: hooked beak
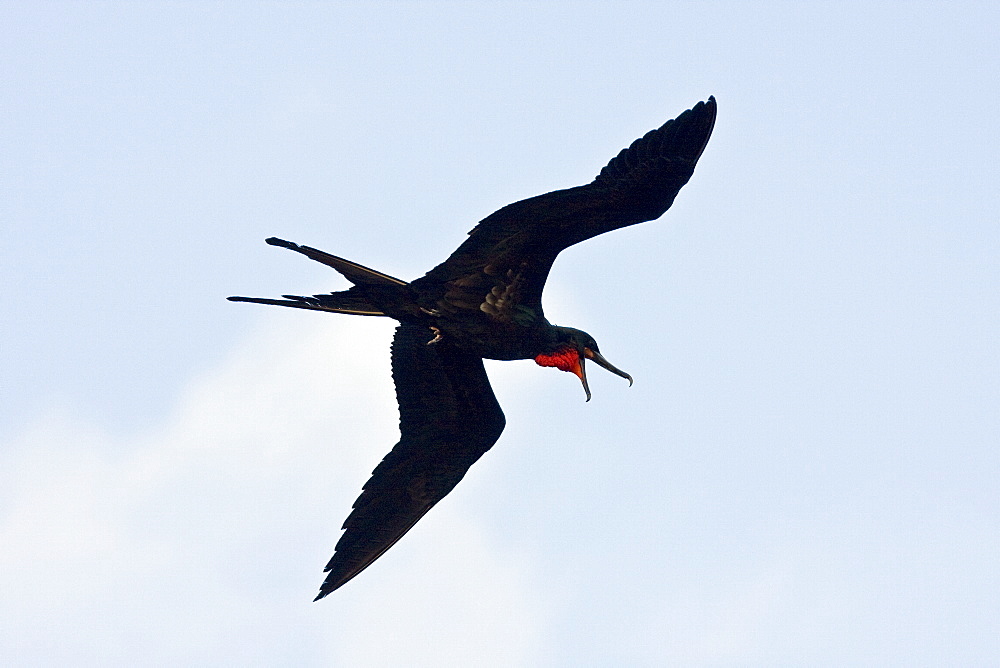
(599, 359)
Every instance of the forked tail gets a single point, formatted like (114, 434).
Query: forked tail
(356, 300)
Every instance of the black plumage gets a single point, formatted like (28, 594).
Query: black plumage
(484, 301)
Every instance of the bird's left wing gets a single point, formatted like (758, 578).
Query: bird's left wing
(448, 417)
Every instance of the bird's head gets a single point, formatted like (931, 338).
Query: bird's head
(568, 350)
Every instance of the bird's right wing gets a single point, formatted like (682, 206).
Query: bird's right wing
(509, 253)
(448, 418)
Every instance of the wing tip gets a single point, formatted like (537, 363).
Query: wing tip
(335, 581)
(325, 591)
(709, 108)
(684, 137)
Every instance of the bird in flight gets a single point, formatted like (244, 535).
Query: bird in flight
(485, 301)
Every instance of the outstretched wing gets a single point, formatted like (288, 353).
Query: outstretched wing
(448, 417)
(508, 255)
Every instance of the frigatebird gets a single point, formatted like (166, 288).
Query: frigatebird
(484, 301)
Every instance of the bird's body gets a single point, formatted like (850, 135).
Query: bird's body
(484, 301)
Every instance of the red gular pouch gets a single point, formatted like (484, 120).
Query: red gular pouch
(569, 359)
(564, 359)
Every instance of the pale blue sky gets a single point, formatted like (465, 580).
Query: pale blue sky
(805, 472)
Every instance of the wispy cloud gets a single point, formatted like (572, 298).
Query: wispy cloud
(203, 540)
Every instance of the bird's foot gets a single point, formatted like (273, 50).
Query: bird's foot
(437, 335)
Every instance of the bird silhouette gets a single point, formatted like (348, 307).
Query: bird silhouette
(484, 301)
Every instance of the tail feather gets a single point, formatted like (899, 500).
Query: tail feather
(352, 271)
(337, 302)
(370, 287)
